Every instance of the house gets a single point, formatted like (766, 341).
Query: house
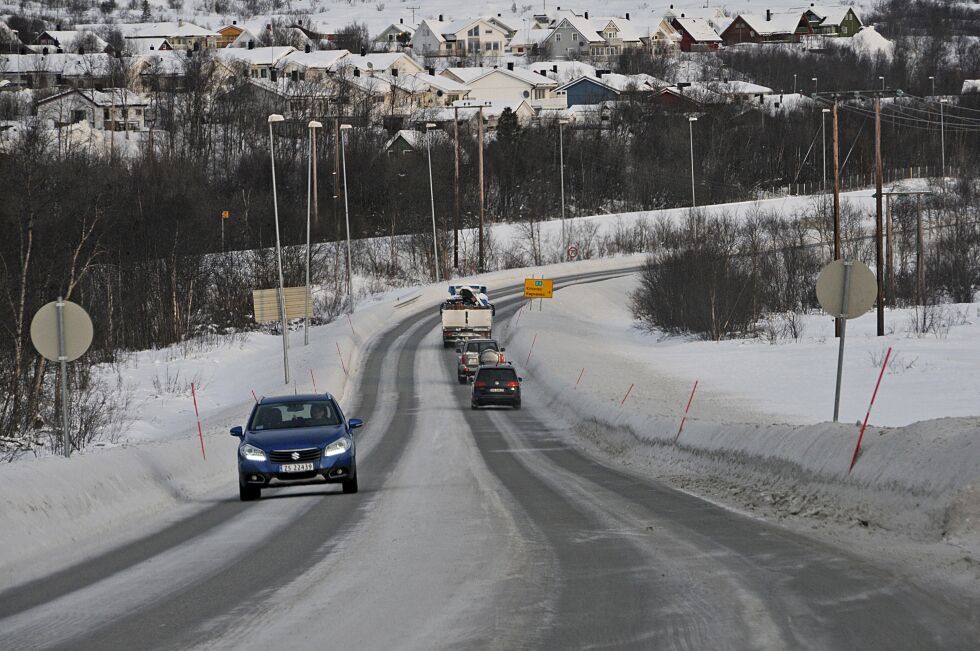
(77, 41)
(53, 70)
(114, 109)
(697, 35)
(587, 91)
(618, 34)
(162, 70)
(771, 28)
(510, 85)
(527, 41)
(833, 21)
(9, 40)
(501, 23)
(476, 37)
(664, 37)
(463, 75)
(562, 71)
(394, 36)
(229, 33)
(674, 99)
(256, 62)
(382, 63)
(405, 142)
(572, 36)
(311, 66)
(147, 45)
(318, 32)
(468, 110)
(181, 34)
(443, 91)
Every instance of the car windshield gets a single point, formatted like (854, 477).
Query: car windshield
(497, 375)
(287, 415)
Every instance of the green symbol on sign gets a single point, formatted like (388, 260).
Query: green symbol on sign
(538, 283)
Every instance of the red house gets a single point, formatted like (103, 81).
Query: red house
(771, 28)
(696, 34)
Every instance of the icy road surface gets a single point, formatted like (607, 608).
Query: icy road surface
(475, 529)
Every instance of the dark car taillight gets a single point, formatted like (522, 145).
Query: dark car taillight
(479, 384)
(512, 385)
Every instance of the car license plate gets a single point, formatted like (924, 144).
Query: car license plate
(496, 390)
(296, 467)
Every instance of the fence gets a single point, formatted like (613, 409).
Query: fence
(855, 181)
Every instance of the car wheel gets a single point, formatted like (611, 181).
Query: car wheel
(350, 486)
(473, 405)
(248, 493)
(517, 405)
(461, 379)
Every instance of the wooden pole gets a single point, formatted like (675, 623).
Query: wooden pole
(481, 259)
(316, 212)
(920, 270)
(890, 250)
(837, 322)
(456, 186)
(879, 254)
(336, 172)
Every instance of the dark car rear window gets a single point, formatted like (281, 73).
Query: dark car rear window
(480, 346)
(497, 374)
(287, 415)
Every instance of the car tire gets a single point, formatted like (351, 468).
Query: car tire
(461, 379)
(350, 486)
(474, 406)
(517, 405)
(248, 493)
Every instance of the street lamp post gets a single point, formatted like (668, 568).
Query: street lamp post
(313, 125)
(882, 79)
(933, 80)
(690, 123)
(823, 135)
(942, 135)
(561, 166)
(432, 198)
(282, 292)
(344, 128)
(794, 83)
(814, 80)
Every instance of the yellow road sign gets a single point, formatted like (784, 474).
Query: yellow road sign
(538, 288)
(266, 303)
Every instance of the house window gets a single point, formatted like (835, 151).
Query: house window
(105, 115)
(474, 32)
(77, 115)
(574, 36)
(496, 46)
(843, 30)
(262, 72)
(557, 37)
(488, 46)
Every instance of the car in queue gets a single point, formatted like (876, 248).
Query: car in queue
(298, 439)
(471, 355)
(496, 384)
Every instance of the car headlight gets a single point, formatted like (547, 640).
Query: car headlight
(339, 446)
(252, 453)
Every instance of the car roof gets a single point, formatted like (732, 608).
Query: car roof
(505, 365)
(289, 399)
(479, 341)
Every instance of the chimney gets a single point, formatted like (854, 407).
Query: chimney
(682, 15)
(510, 65)
(432, 71)
(357, 72)
(234, 22)
(251, 45)
(598, 74)
(554, 68)
(768, 15)
(401, 21)
(586, 15)
(151, 47)
(440, 18)
(627, 15)
(180, 22)
(394, 72)
(307, 48)
(363, 52)
(498, 15)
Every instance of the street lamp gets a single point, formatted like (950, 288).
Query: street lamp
(823, 132)
(432, 197)
(344, 128)
(313, 126)
(942, 135)
(282, 292)
(561, 167)
(814, 80)
(933, 80)
(882, 82)
(690, 123)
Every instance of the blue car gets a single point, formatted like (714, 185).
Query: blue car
(291, 440)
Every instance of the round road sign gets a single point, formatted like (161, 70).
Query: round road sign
(78, 331)
(862, 289)
(572, 251)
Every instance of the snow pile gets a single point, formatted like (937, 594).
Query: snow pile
(755, 427)
(870, 43)
(970, 86)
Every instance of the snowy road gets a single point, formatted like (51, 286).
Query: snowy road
(475, 530)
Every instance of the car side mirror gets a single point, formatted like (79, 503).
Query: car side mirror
(237, 431)
(520, 379)
(459, 350)
(354, 423)
(503, 350)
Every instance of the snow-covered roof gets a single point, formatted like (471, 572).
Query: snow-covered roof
(699, 29)
(566, 70)
(107, 97)
(466, 75)
(66, 38)
(147, 45)
(164, 30)
(444, 84)
(528, 77)
(832, 15)
(580, 23)
(438, 28)
(254, 56)
(376, 60)
(163, 62)
(415, 139)
(66, 64)
(529, 37)
(627, 30)
(630, 82)
(318, 59)
(970, 86)
(735, 87)
(777, 23)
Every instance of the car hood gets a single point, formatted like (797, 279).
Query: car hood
(295, 439)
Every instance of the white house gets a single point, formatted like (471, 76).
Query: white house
(508, 85)
(260, 62)
(114, 109)
(394, 36)
(382, 63)
(476, 37)
(181, 35)
(311, 66)
(74, 41)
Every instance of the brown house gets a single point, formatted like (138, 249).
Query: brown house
(771, 28)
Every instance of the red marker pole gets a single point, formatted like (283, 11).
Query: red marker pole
(253, 396)
(342, 364)
(200, 432)
(581, 373)
(351, 326)
(857, 448)
(531, 349)
(623, 401)
(314, 381)
(686, 409)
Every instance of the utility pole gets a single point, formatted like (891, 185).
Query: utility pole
(456, 187)
(889, 250)
(879, 255)
(837, 322)
(480, 262)
(920, 269)
(336, 172)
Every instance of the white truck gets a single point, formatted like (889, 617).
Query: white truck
(466, 313)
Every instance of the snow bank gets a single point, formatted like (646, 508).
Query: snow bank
(870, 43)
(755, 423)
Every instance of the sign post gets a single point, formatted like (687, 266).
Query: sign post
(846, 289)
(61, 331)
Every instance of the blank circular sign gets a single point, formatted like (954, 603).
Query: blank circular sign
(78, 331)
(862, 289)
